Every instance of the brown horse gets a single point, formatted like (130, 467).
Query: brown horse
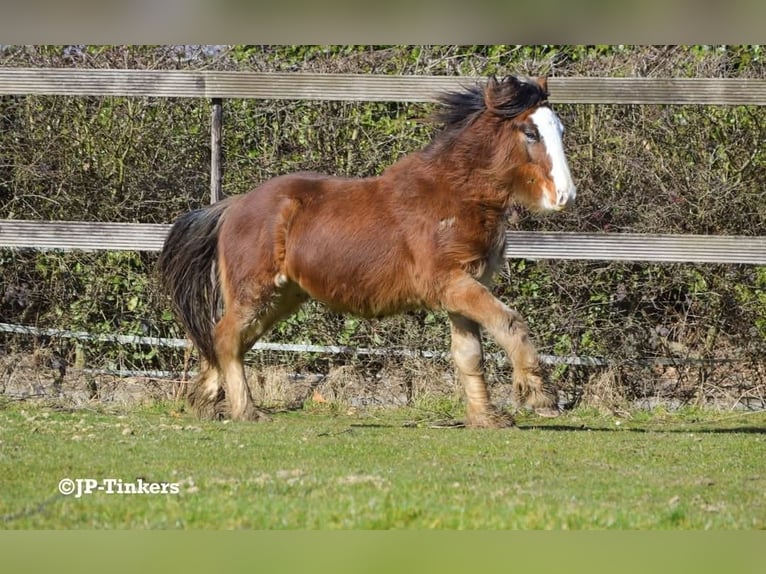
(427, 233)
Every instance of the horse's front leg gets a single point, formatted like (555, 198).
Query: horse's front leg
(467, 355)
(467, 297)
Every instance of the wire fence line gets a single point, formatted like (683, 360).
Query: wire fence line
(333, 350)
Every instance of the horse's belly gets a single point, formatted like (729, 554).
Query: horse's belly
(368, 284)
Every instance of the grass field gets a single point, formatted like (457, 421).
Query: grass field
(322, 468)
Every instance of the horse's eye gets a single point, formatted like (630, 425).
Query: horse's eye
(532, 135)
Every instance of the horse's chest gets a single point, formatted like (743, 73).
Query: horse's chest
(476, 246)
(495, 252)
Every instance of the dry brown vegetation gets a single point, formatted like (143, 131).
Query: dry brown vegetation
(643, 169)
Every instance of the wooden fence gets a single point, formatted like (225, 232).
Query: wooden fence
(356, 87)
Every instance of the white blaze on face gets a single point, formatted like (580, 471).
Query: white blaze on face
(550, 129)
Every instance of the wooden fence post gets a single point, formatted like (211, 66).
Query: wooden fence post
(216, 177)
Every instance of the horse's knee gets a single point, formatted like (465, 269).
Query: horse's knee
(516, 327)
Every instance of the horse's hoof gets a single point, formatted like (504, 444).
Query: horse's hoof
(206, 410)
(493, 419)
(548, 412)
(255, 414)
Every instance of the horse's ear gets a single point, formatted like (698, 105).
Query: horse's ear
(491, 88)
(540, 81)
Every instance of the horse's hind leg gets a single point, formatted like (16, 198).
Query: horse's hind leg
(237, 332)
(205, 395)
(230, 351)
(469, 298)
(467, 355)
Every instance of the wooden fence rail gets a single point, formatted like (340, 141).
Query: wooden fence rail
(215, 85)
(364, 87)
(95, 236)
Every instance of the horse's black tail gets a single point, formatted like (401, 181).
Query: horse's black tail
(188, 267)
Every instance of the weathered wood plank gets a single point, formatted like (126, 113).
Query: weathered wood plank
(76, 82)
(85, 235)
(712, 91)
(207, 84)
(364, 87)
(344, 87)
(636, 247)
(91, 236)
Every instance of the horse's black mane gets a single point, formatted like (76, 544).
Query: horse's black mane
(509, 97)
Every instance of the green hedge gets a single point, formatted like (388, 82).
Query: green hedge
(663, 169)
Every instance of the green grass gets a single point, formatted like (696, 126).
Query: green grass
(321, 468)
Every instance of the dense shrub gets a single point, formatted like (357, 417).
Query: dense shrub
(643, 169)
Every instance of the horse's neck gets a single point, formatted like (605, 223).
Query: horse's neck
(454, 172)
